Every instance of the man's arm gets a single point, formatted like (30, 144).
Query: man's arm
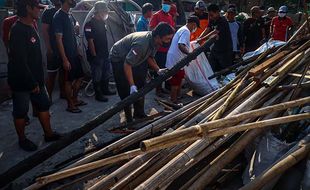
(271, 29)
(46, 37)
(61, 49)
(91, 47)
(183, 48)
(152, 63)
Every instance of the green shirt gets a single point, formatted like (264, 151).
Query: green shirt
(134, 48)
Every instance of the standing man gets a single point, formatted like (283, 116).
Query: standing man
(161, 55)
(235, 32)
(271, 12)
(26, 75)
(179, 48)
(97, 52)
(53, 64)
(201, 13)
(281, 25)
(143, 23)
(67, 51)
(222, 52)
(254, 32)
(130, 52)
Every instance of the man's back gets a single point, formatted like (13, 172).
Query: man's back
(224, 43)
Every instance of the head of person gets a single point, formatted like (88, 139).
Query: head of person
(29, 8)
(193, 23)
(166, 5)
(56, 3)
(70, 3)
(200, 8)
(162, 34)
(214, 12)
(282, 11)
(262, 10)
(271, 12)
(231, 14)
(147, 9)
(174, 11)
(255, 12)
(101, 10)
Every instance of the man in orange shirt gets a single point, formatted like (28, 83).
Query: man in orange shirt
(201, 13)
(280, 25)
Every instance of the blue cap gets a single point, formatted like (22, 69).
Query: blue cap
(283, 9)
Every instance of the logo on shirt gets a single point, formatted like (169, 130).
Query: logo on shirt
(88, 29)
(33, 40)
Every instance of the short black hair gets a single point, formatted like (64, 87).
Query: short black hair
(162, 29)
(213, 8)
(147, 7)
(21, 7)
(62, 1)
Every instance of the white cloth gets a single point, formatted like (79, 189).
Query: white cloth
(234, 27)
(182, 36)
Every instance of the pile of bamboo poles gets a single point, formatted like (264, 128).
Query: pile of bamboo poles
(217, 127)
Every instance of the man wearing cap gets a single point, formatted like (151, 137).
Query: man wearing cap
(179, 48)
(201, 13)
(53, 64)
(236, 32)
(280, 25)
(254, 32)
(143, 23)
(67, 51)
(26, 75)
(161, 55)
(132, 51)
(97, 52)
(271, 12)
(221, 55)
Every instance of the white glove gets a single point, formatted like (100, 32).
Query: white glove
(133, 89)
(162, 71)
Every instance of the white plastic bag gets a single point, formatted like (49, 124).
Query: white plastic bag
(197, 73)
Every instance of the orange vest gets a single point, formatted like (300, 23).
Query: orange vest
(203, 25)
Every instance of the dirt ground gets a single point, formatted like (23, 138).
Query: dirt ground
(62, 121)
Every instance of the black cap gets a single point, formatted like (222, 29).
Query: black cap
(194, 19)
(231, 10)
(101, 6)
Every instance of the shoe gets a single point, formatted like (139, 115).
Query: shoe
(140, 116)
(74, 110)
(128, 114)
(54, 137)
(105, 88)
(98, 93)
(139, 109)
(27, 145)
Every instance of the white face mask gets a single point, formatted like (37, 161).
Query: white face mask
(105, 17)
(282, 15)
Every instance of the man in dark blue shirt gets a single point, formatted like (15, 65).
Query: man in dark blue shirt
(97, 52)
(64, 29)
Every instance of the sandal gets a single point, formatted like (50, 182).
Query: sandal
(81, 103)
(74, 110)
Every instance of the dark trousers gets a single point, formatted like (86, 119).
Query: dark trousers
(100, 69)
(122, 85)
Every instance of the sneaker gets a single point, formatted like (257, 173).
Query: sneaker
(54, 137)
(27, 145)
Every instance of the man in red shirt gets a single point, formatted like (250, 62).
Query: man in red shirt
(161, 55)
(280, 25)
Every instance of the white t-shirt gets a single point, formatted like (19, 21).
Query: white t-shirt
(182, 36)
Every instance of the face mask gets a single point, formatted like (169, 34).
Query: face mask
(282, 15)
(166, 8)
(105, 17)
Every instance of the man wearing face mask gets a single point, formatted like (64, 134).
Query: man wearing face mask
(161, 55)
(64, 26)
(97, 52)
(201, 13)
(132, 51)
(280, 25)
(179, 49)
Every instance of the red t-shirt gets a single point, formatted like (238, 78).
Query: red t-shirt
(280, 27)
(6, 27)
(158, 17)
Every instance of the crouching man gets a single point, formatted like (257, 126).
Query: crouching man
(131, 51)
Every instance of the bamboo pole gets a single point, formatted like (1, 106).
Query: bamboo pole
(278, 168)
(292, 86)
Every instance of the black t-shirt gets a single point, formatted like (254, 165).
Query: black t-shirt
(25, 68)
(47, 18)
(63, 23)
(224, 43)
(96, 30)
(253, 33)
(204, 16)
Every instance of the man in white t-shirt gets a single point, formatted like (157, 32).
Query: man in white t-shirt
(179, 48)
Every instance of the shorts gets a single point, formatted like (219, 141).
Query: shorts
(176, 79)
(21, 101)
(54, 63)
(76, 71)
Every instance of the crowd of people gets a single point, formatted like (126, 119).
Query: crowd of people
(157, 45)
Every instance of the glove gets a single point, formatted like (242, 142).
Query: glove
(133, 89)
(162, 71)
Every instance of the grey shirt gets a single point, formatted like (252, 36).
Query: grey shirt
(134, 48)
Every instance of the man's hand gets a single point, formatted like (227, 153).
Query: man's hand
(133, 89)
(36, 90)
(162, 71)
(66, 65)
